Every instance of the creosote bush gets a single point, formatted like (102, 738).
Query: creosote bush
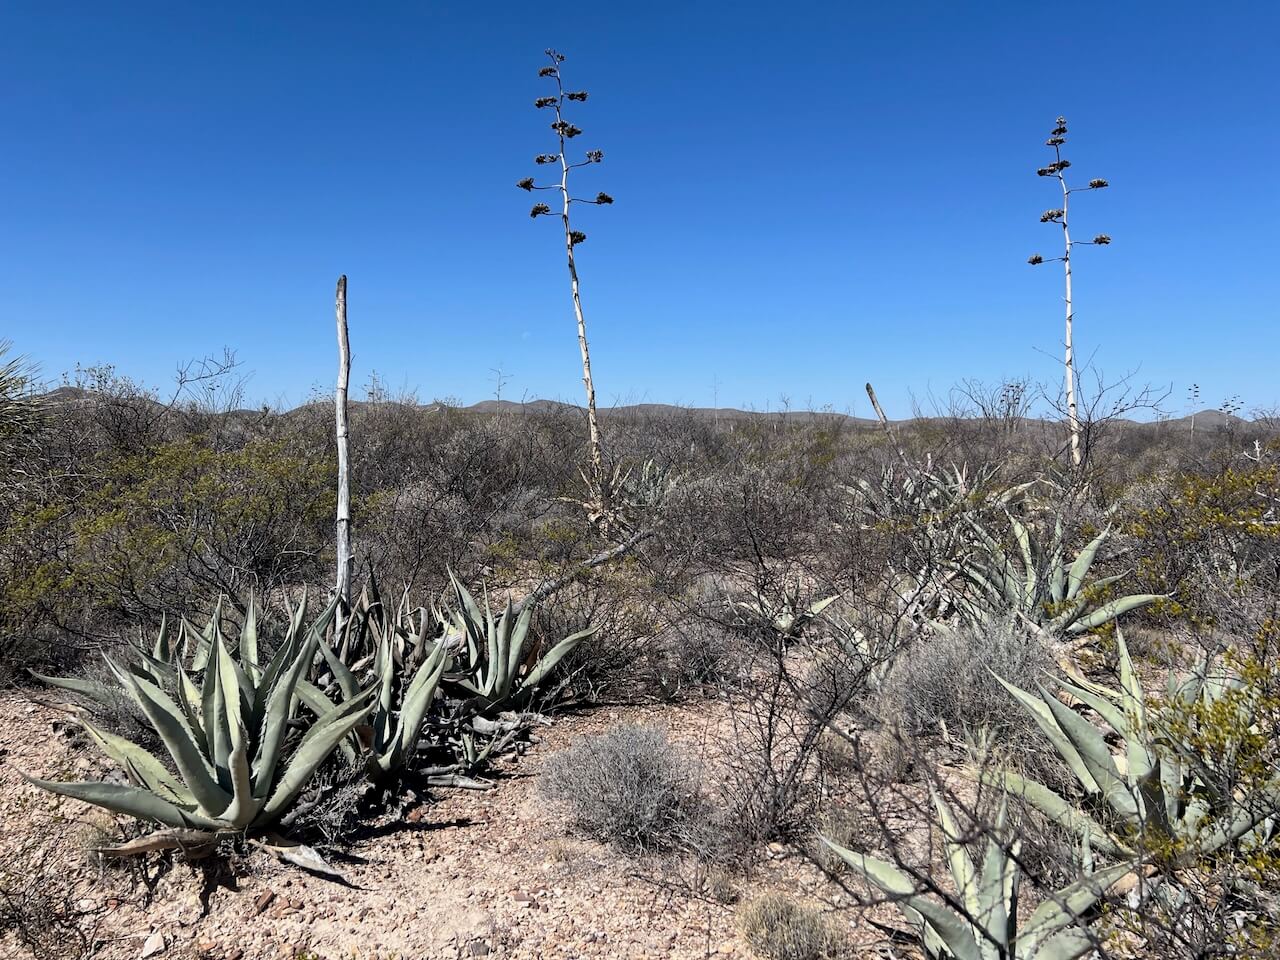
(629, 786)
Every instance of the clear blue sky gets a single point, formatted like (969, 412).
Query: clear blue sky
(809, 195)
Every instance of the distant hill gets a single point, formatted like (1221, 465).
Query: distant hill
(1208, 419)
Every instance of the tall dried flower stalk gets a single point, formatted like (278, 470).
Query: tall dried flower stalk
(566, 131)
(1060, 216)
(342, 524)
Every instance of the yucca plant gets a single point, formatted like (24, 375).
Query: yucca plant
(228, 738)
(1037, 583)
(1152, 798)
(496, 664)
(981, 920)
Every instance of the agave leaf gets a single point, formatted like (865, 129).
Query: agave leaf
(162, 650)
(816, 608)
(1083, 561)
(249, 643)
(952, 929)
(963, 871)
(553, 657)
(242, 810)
(131, 801)
(1056, 808)
(313, 698)
(1093, 750)
(146, 769)
(1265, 805)
(89, 688)
(1112, 609)
(516, 641)
(346, 679)
(318, 742)
(1066, 906)
(1031, 581)
(417, 699)
(1076, 606)
(997, 887)
(167, 838)
(1069, 944)
(180, 740)
(385, 668)
(277, 713)
(1045, 720)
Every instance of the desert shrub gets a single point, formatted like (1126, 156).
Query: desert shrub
(1197, 530)
(949, 679)
(629, 786)
(620, 658)
(778, 928)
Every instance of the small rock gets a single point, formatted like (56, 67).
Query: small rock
(263, 901)
(154, 945)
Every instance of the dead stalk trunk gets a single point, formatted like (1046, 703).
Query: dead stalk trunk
(342, 585)
(593, 426)
(1069, 373)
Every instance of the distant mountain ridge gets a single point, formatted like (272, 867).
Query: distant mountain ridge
(1207, 419)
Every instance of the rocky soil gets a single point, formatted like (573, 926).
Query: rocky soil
(473, 874)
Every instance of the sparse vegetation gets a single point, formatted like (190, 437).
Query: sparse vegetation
(958, 681)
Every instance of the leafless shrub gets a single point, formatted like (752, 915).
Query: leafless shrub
(38, 913)
(629, 786)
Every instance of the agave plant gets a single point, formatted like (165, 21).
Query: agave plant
(405, 690)
(238, 770)
(787, 617)
(497, 664)
(983, 923)
(1152, 798)
(1037, 583)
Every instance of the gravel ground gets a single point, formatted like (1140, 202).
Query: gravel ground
(471, 875)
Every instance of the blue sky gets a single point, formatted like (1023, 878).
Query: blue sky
(809, 195)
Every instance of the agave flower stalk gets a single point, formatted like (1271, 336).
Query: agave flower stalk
(1061, 216)
(566, 131)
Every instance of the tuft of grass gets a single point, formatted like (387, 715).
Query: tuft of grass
(779, 928)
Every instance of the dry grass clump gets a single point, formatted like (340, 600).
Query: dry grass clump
(779, 928)
(950, 681)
